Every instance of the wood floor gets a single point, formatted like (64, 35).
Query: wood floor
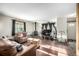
(56, 46)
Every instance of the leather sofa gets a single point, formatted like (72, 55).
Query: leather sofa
(8, 47)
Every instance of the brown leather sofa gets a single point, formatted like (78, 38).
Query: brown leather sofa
(8, 47)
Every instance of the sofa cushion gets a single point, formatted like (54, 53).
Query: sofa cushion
(19, 48)
(7, 48)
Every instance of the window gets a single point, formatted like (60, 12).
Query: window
(18, 26)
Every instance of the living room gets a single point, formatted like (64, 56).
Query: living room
(49, 29)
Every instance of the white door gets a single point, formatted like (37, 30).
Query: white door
(71, 26)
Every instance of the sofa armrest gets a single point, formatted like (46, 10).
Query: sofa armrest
(27, 50)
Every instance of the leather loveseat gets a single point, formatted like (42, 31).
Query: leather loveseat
(9, 48)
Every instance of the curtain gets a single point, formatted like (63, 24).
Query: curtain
(13, 27)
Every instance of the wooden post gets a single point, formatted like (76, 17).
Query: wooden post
(77, 30)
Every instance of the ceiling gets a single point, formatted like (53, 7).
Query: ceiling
(37, 11)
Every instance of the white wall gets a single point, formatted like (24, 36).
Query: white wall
(39, 28)
(6, 26)
(62, 26)
(29, 27)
